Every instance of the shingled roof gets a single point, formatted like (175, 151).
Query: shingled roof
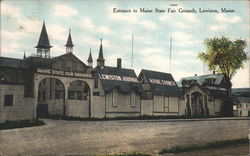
(44, 39)
(13, 63)
(157, 88)
(201, 79)
(124, 84)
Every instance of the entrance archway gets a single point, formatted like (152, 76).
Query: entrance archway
(51, 98)
(79, 99)
(197, 104)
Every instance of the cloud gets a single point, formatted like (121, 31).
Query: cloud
(217, 27)
(151, 51)
(176, 21)
(241, 79)
(57, 32)
(148, 24)
(30, 26)
(183, 39)
(62, 10)
(224, 19)
(10, 11)
(186, 53)
(10, 48)
(12, 35)
(88, 24)
(104, 30)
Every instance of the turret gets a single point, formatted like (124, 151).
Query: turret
(90, 60)
(43, 46)
(100, 59)
(69, 45)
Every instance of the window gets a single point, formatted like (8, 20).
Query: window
(58, 94)
(71, 95)
(58, 82)
(44, 95)
(96, 93)
(114, 99)
(210, 98)
(96, 83)
(79, 95)
(166, 101)
(8, 100)
(132, 100)
(240, 113)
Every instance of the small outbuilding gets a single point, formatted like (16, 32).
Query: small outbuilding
(161, 94)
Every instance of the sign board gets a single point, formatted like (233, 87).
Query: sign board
(117, 78)
(62, 73)
(162, 82)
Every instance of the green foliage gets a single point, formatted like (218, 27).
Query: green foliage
(21, 124)
(223, 55)
(212, 145)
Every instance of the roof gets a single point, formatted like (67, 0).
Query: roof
(100, 56)
(244, 99)
(69, 41)
(123, 79)
(13, 63)
(201, 79)
(240, 90)
(161, 83)
(44, 39)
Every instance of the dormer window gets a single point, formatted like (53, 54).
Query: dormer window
(210, 80)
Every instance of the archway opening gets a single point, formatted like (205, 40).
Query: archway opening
(51, 98)
(197, 104)
(79, 99)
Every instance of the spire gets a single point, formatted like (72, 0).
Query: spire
(69, 42)
(100, 59)
(69, 45)
(100, 56)
(44, 39)
(24, 55)
(90, 57)
(90, 60)
(43, 46)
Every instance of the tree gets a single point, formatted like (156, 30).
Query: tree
(224, 56)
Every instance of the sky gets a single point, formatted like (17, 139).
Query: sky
(89, 21)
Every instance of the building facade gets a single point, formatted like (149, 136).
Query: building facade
(39, 86)
(203, 96)
(242, 107)
(160, 94)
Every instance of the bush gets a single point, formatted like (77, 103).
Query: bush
(21, 124)
(212, 145)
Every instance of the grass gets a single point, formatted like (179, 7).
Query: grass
(212, 145)
(127, 154)
(144, 117)
(21, 124)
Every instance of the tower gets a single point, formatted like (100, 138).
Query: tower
(100, 59)
(69, 45)
(90, 60)
(43, 46)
